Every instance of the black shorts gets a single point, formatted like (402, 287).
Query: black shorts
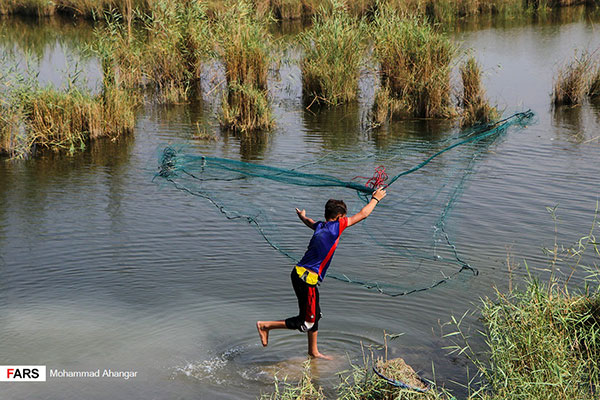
(308, 305)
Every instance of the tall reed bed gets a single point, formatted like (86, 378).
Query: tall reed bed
(475, 107)
(415, 62)
(333, 52)
(48, 118)
(446, 11)
(165, 54)
(243, 45)
(82, 8)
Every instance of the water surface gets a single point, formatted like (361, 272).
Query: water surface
(101, 268)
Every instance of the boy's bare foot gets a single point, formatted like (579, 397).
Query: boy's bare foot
(320, 355)
(263, 333)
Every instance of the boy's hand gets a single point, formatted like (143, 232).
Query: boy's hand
(307, 221)
(379, 194)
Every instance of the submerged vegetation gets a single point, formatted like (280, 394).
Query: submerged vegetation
(415, 62)
(333, 52)
(476, 108)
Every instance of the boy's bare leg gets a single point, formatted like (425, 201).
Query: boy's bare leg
(264, 327)
(313, 351)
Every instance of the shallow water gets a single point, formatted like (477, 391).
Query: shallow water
(101, 268)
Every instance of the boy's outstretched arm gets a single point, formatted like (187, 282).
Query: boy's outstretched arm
(366, 210)
(307, 221)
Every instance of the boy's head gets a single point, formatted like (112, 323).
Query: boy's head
(335, 209)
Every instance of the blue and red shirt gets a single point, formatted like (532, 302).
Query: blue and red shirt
(322, 246)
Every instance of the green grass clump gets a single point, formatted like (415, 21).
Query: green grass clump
(303, 390)
(415, 62)
(476, 108)
(246, 108)
(544, 344)
(333, 51)
(244, 48)
(572, 82)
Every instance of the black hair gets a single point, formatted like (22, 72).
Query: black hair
(333, 208)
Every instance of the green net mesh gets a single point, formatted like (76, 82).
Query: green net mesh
(406, 242)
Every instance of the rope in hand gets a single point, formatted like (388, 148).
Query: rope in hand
(377, 180)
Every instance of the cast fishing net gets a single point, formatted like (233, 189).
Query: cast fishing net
(406, 240)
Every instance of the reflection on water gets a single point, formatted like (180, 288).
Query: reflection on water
(253, 146)
(336, 126)
(556, 17)
(102, 268)
(38, 37)
(568, 122)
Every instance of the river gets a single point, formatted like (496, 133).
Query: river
(101, 268)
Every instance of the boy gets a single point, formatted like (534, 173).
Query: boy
(311, 270)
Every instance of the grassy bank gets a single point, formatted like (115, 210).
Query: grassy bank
(333, 52)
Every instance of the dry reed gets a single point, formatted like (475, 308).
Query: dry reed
(572, 82)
